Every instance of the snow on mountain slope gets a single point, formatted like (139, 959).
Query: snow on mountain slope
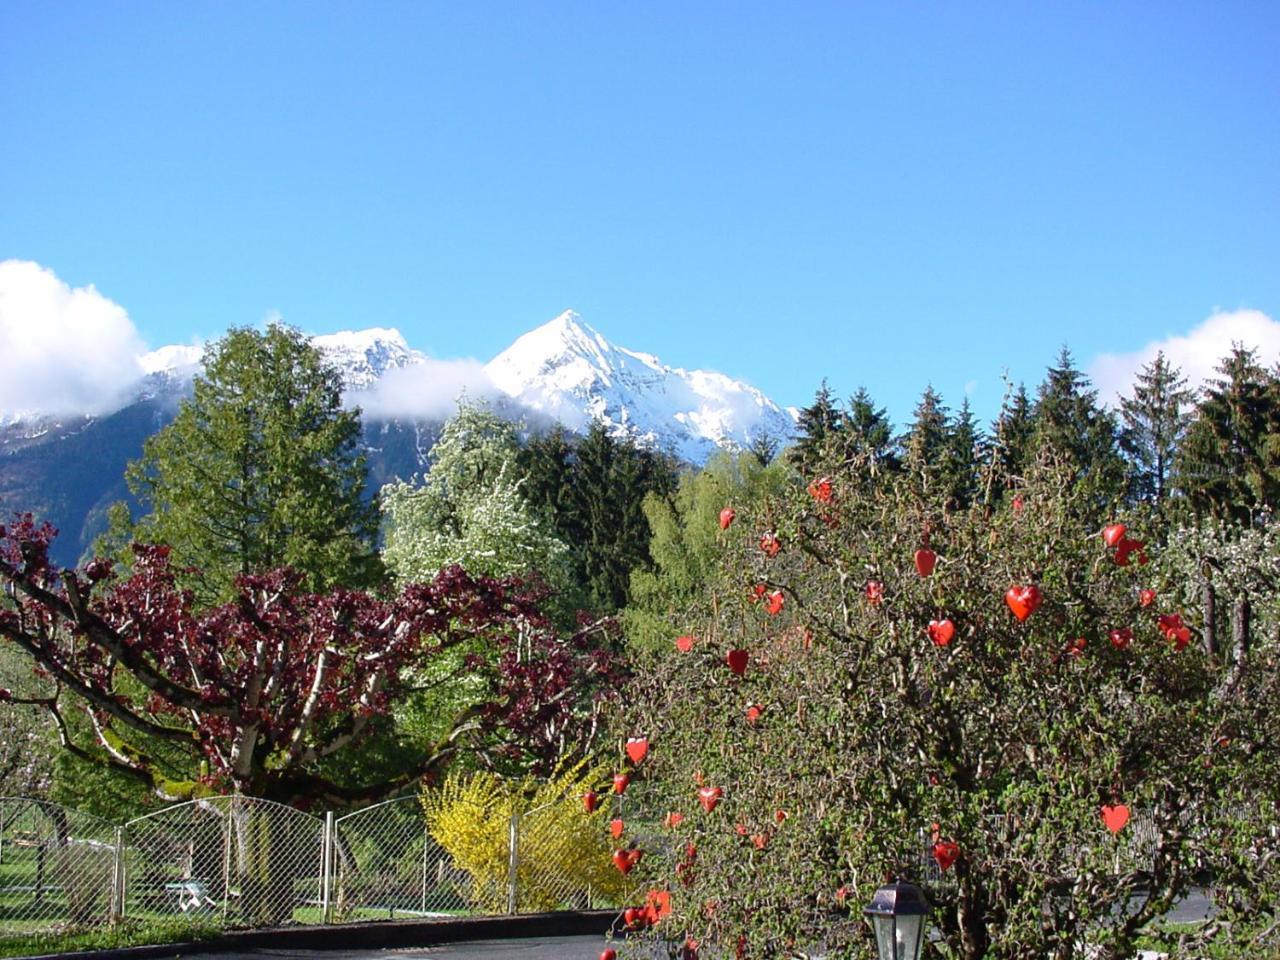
(568, 371)
(364, 356)
(563, 370)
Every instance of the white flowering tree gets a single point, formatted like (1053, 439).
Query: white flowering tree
(469, 511)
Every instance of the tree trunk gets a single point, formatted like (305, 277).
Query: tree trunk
(1210, 618)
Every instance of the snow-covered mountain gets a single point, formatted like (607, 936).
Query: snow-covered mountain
(563, 371)
(569, 372)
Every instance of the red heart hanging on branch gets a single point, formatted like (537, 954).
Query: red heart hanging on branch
(820, 490)
(941, 631)
(622, 860)
(1115, 817)
(753, 713)
(775, 603)
(726, 517)
(737, 661)
(709, 797)
(608, 953)
(770, 544)
(1023, 601)
(1113, 534)
(946, 853)
(616, 826)
(684, 644)
(637, 748)
(1121, 638)
(875, 593)
(1146, 597)
(674, 819)
(620, 781)
(590, 801)
(925, 559)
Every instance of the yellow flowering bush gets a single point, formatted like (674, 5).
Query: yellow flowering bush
(563, 851)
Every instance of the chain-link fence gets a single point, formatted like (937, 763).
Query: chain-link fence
(57, 866)
(240, 862)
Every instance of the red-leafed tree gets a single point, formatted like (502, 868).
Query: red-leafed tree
(263, 692)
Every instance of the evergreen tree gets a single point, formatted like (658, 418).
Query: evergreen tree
(591, 490)
(960, 475)
(1070, 423)
(260, 469)
(764, 447)
(869, 432)
(1229, 465)
(926, 445)
(816, 425)
(1014, 435)
(1155, 419)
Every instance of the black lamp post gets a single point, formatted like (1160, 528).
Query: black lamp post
(897, 914)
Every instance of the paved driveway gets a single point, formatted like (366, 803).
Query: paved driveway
(541, 948)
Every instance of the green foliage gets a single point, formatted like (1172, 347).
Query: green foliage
(591, 490)
(1155, 420)
(687, 545)
(259, 470)
(1071, 424)
(1229, 464)
(562, 848)
(470, 510)
(1010, 738)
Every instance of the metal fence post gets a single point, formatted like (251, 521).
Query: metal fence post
(326, 866)
(513, 863)
(117, 878)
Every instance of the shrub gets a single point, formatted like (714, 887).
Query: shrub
(563, 857)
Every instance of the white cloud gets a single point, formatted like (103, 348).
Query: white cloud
(1197, 353)
(65, 349)
(429, 389)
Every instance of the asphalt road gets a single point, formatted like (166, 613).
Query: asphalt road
(541, 948)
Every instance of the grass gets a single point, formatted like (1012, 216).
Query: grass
(127, 933)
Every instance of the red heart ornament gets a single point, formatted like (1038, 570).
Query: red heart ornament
(761, 840)
(753, 713)
(620, 781)
(1115, 817)
(770, 544)
(622, 860)
(590, 801)
(1113, 534)
(941, 631)
(946, 852)
(726, 517)
(709, 797)
(925, 559)
(634, 855)
(820, 490)
(616, 826)
(1017, 504)
(1146, 597)
(737, 661)
(875, 593)
(637, 748)
(1121, 638)
(775, 602)
(1023, 601)
(684, 644)
(608, 953)
(674, 819)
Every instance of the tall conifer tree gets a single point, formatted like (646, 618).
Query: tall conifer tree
(1154, 420)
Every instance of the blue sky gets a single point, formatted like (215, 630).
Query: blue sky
(881, 194)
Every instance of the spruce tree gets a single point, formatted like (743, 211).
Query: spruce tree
(964, 442)
(869, 433)
(1071, 423)
(1155, 419)
(260, 469)
(1013, 435)
(925, 446)
(815, 426)
(1229, 464)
